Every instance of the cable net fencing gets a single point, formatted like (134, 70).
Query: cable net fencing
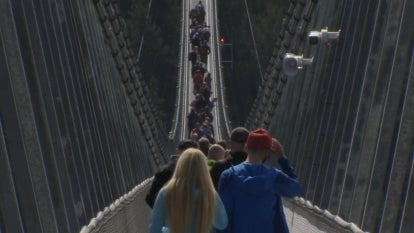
(303, 217)
(130, 213)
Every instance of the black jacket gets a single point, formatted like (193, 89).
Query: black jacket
(162, 176)
(235, 158)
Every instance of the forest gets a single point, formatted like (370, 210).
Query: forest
(154, 30)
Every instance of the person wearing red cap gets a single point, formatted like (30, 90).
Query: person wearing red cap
(252, 190)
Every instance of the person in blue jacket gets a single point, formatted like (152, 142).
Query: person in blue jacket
(188, 203)
(251, 191)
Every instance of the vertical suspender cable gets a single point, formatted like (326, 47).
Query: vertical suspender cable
(254, 41)
(143, 34)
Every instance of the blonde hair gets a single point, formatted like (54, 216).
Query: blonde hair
(191, 172)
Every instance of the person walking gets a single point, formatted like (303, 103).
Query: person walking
(188, 203)
(204, 145)
(251, 191)
(215, 153)
(238, 154)
(164, 174)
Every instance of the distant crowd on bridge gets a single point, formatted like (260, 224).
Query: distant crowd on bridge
(200, 117)
(223, 186)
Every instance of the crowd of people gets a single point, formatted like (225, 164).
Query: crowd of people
(210, 188)
(223, 186)
(200, 117)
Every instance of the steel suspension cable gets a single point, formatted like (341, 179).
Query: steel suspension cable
(143, 34)
(254, 41)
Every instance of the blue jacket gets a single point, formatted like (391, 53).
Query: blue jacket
(252, 195)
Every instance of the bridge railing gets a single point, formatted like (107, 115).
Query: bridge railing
(225, 123)
(173, 134)
(129, 213)
(346, 120)
(137, 90)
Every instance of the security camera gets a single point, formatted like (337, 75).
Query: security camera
(293, 63)
(323, 36)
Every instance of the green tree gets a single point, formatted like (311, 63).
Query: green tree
(154, 31)
(242, 76)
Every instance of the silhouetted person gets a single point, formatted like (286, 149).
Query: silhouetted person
(237, 154)
(215, 153)
(165, 173)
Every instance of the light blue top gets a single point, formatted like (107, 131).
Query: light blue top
(158, 217)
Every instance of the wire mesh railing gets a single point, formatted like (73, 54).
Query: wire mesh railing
(127, 214)
(301, 212)
(130, 213)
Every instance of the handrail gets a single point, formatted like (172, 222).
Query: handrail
(173, 131)
(185, 95)
(219, 76)
(336, 219)
(121, 207)
(131, 77)
(97, 223)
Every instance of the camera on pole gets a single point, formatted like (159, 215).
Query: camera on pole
(323, 36)
(293, 63)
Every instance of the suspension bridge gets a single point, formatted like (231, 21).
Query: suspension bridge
(80, 140)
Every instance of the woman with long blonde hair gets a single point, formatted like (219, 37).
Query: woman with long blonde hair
(188, 203)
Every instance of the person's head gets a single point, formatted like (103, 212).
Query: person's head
(184, 145)
(222, 143)
(191, 171)
(194, 136)
(258, 145)
(197, 124)
(204, 144)
(238, 139)
(216, 152)
(192, 166)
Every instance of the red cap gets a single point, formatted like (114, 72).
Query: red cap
(259, 139)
